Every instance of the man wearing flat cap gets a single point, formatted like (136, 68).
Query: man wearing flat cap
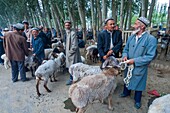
(37, 45)
(15, 49)
(109, 41)
(138, 52)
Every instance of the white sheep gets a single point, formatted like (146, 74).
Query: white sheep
(7, 64)
(80, 70)
(47, 70)
(47, 52)
(160, 105)
(94, 87)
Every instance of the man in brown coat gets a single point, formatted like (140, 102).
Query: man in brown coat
(16, 48)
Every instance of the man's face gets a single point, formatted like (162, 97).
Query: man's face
(35, 33)
(25, 25)
(110, 25)
(137, 27)
(67, 25)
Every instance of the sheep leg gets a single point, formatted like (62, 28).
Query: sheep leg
(45, 86)
(110, 101)
(81, 110)
(51, 79)
(55, 80)
(32, 73)
(37, 86)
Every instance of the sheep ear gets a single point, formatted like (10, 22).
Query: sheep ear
(104, 64)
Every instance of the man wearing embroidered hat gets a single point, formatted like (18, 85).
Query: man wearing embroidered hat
(138, 52)
(109, 40)
(15, 49)
(71, 48)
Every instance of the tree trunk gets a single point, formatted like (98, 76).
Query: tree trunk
(81, 10)
(58, 22)
(168, 20)
(121, 14)
(144, 8)
(130, 14)
(70, 13)
(100, 26)
(93, 20)
(114, 11)
(104, 10)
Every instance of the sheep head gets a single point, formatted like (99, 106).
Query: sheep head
(110, 66)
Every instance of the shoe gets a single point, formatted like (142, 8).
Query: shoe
(122, 95)
(27, 79)
(137, 105)
(69, 82)
(14, 81)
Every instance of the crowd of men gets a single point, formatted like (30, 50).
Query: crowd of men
(139, 51)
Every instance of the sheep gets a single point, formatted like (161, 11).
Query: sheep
(80, 70)
(47, 70)
(47, 52)
(160, 105)
(59, 45)
(92, 53)
(7, 64)
(95, 87)
(32, 63)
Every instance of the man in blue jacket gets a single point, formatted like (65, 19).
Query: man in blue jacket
(109, 41)
(139, 51)
(37, 45)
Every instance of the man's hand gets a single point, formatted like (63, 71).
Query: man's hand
(109, 52)
(105, 57)
(131, 61)
(125, 58)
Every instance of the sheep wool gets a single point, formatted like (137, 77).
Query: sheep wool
(160, 105)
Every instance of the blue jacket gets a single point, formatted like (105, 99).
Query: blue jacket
(143, 53)
(38, 48)
(104, 40)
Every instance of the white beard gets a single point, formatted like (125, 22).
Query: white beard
(135, 31)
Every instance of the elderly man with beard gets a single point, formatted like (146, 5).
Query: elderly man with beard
(71, 49)
(109, 40)
(139, 51)
(16, 48)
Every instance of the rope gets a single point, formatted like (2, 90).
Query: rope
(129, 75)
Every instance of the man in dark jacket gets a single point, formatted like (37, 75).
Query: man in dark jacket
(109, 41)
(15, 49)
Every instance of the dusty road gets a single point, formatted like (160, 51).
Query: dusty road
(20, 97)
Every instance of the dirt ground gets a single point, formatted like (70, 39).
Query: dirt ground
(20, 97)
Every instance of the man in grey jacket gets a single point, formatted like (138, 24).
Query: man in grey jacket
(71, 48)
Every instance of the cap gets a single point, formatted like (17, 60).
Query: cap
(25, 22)
(67, 21)
(19, 26)
(144, 20)
(107, 19)
(6, 29)
(35, 28)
